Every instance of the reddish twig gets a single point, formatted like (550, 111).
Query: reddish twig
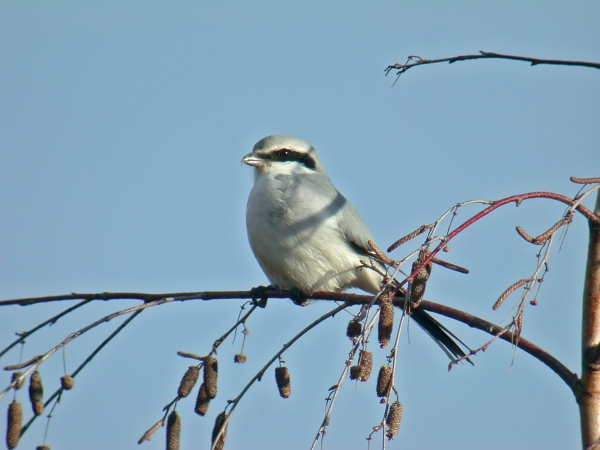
(497, 204)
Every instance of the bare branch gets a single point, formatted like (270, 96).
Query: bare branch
(50, 321)
(589, 398)
(84, 363)
(570, 378)
(418, 61)
(357, 299)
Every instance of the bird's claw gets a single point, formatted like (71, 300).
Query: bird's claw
(259, 297)
(297, 297)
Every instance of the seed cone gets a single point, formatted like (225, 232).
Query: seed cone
(282, 377)
(173, 431)
(67, 382)
(384, 379)
(36, 393)
(210, 376)
(393, 419)
(202, 401)
(417, 289)
(219, 421)
(15, 376)
(13, 431)
(365, 362)
(355, 372)
(188, 381)
(354, 329)
(386, 320)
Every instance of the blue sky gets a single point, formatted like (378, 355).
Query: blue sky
(121, 132)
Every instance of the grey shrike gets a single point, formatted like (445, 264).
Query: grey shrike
(306, 235)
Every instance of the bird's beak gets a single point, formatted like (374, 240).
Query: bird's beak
(252, 160)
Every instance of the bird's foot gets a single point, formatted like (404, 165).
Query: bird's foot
(259, 297)
(297, 297)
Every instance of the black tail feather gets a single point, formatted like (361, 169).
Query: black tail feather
(440, 334)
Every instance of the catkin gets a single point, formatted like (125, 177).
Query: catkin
(36, 393)
(282, 377)
(355, 372)
(67, 382)
(13, 431)
(202, 401)
(417, 287)
(365, 362)
(384, 379)
(173, 431)
(219, 422)
(188, 381)
(15, 376)
(210, 376)
(386, 320)
(354, 329)
(393, 419)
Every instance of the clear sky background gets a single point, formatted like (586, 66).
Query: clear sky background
(122, 129)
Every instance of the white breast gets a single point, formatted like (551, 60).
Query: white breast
(293, 229)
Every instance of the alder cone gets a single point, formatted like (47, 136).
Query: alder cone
(386, 320)
(188, 381)
(219, 422)
(211, 369)
(384, 379)
(13, 430)
(173, 431)
(202, 401)
(393, 419)
(36, 393)
(282, 377)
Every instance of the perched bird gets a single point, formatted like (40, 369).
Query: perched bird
(306, 235)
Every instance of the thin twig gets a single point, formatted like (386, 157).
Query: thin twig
(232, 329)
(78, 333)
(262, 371)
(84, 363)
(333, 395)
(51, 320)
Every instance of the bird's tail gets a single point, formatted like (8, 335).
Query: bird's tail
(440, 334)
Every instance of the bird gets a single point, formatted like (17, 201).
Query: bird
(307, 237)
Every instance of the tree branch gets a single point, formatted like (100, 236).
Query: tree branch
(589, 397)
(560, 369)
(418, 61)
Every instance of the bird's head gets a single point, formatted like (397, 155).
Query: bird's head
(284, 154)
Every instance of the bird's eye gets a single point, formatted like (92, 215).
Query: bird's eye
(284, 153)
